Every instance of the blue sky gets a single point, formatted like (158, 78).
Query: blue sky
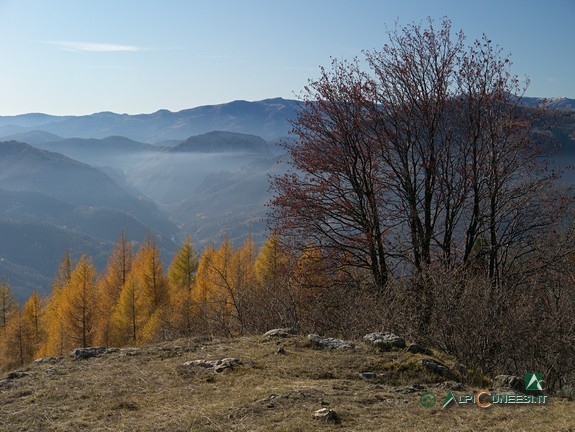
(81, 56)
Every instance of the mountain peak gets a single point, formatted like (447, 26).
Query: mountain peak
(223, 142)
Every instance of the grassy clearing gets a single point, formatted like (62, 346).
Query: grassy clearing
(148, 390)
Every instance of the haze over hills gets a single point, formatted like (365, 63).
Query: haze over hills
(77, 182)
(267, 118)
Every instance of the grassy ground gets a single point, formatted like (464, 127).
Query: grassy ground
(149, 390)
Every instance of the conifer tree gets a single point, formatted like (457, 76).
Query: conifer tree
(203, 285)
(57, 341)
(33, 316)
(110, 286)
(182, 279)
(144, 298)
(274, 266)
(22, 334)
(8, 305)
(80, 304)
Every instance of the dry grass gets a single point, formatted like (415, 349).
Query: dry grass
(148, 390)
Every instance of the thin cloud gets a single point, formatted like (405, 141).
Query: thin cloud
(93, 47)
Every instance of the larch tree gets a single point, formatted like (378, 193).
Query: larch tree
(278, 298)
(182, 280)
(242, 290)
(141, 315)
(110, 286)
(22, 335)
(8, 305)
(80, 305)
(33, 316)
(202, 292)
(128, 319)
(57, 340)
(214, 280)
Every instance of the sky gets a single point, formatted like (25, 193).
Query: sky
(75, 57)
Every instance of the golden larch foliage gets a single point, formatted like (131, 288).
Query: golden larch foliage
(110, 287)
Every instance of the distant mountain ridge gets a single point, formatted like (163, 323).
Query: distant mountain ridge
(223, 142)
(268, 118)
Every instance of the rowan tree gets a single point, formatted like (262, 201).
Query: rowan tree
(416, 161)
(335, 195)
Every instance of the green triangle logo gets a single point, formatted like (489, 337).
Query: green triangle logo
(448, 399)
(533, 381)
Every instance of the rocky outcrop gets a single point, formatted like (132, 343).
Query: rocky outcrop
(327, 415)
(418, 349)
(281, 333)
(319, 342)
(86, 353)
(216, 365)
(437, 368)
(385, 341)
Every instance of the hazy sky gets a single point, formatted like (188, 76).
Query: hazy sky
(85, 56)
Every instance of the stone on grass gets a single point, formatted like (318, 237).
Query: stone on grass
(16, 375)
(437, 368)
(50, 360)
(216, 365)
(327, 415)
(281, 333)
(86, 353)
(418, 349)
(385, 341)
(329, 343)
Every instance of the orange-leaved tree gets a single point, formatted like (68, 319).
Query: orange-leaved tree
(182, 281)
(110, 287)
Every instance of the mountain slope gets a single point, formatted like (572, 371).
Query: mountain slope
(23, 167)
(150, 389)
(268, 118)
(223, 142)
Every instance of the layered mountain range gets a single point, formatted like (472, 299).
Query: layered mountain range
(75, 182)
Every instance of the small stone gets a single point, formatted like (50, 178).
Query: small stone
(385, 341)
(16, 375)
(367, 375)
(329, 343)
(281, 333)
(86, 353)
(50, 360)
(418, 349)
(281, 351)
(327, 415)
(217, 365)
(437, 368)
